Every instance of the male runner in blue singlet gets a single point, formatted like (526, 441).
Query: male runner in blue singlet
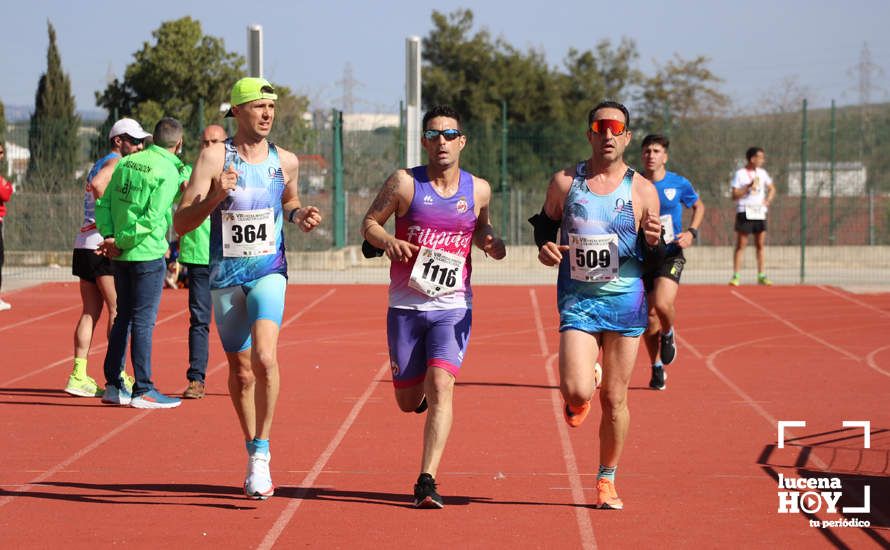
(248, 187)
(608, 220)
(662, 281)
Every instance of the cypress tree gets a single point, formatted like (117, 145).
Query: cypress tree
(55, 149)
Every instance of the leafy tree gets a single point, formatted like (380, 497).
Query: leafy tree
(171, 77)
(53, 136)
(680, 89)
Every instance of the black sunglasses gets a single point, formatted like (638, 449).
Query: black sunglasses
(132, 140)
(449, 134)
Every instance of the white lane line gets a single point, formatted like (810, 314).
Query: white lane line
(585, 528)
(288, 513)
(39, 318)
(854, 300)
(103, 439)
(796, 328)
(539, 325)
(68, 360)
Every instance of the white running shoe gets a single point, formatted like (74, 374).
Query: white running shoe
(258, 484)
(5, 305)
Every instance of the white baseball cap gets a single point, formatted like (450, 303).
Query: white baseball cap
(128, 126)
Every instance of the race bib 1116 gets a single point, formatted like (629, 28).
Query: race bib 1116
(437, 272)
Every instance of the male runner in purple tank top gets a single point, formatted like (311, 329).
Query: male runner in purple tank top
(441, 211)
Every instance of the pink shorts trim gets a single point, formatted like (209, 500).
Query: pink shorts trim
(443, 364)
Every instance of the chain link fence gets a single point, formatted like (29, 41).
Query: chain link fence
(842, 219)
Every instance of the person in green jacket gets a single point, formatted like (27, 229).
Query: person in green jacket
(194, 254)
(133, 219)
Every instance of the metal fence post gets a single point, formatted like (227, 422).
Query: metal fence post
(831, 226)
(339, 213)
(505, 199)
(803, 194)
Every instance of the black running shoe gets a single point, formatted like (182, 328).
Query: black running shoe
(425, 495)
(668, 348)
(657, 382)
(422, 407)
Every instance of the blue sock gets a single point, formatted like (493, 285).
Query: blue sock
(607, 472)
(668, 333)
(658, 363)
(257, 446)
(261, 445)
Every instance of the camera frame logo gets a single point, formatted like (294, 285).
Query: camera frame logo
(812, 495)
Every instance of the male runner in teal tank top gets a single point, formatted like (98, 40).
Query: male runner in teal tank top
(609, 219)
(249, 186)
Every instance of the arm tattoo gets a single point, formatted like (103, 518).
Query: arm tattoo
(385, 196)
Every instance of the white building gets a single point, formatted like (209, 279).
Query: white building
(850, 179)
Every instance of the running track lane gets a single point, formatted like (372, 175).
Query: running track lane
(689, 475)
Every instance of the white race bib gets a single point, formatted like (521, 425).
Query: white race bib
(755, 211)
(248, 233)
(437, 272)
(594, 258)
(667, 222)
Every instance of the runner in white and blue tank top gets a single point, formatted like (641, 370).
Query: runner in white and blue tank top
(247, 247)
(608, 219)
(88, 236)
(248, 187)
(616, 305)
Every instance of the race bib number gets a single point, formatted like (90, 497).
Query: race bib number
(437, 272)
(248, 233)
(594, 258)
(667, 222)
(755, 212)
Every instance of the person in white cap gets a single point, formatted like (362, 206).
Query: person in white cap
(93, 270)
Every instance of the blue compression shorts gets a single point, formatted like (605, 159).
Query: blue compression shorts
(237, 308)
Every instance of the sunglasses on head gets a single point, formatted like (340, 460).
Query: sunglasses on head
(600, 126)
(449, 134)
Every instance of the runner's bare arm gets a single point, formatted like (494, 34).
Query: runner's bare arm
(306, 218)
(485, 236)
(549, 252)
(207, 187)
(770, 193)
(645, 195)
(394, 197)
(685, 239)
(102, 177)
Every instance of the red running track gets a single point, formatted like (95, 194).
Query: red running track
(699, 468)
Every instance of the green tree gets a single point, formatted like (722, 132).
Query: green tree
(680, 89)
(171, 77)
(291, 130)
(546, 106)
(53, 137)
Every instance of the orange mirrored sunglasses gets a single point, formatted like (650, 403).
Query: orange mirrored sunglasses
(600, 126)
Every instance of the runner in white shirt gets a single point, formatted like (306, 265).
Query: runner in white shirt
(753, 191)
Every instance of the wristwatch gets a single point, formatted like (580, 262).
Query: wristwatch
(694, 232)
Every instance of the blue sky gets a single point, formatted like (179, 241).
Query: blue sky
(755, 46)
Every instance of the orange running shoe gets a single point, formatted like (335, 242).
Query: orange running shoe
(606, 496)
(575, 415)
